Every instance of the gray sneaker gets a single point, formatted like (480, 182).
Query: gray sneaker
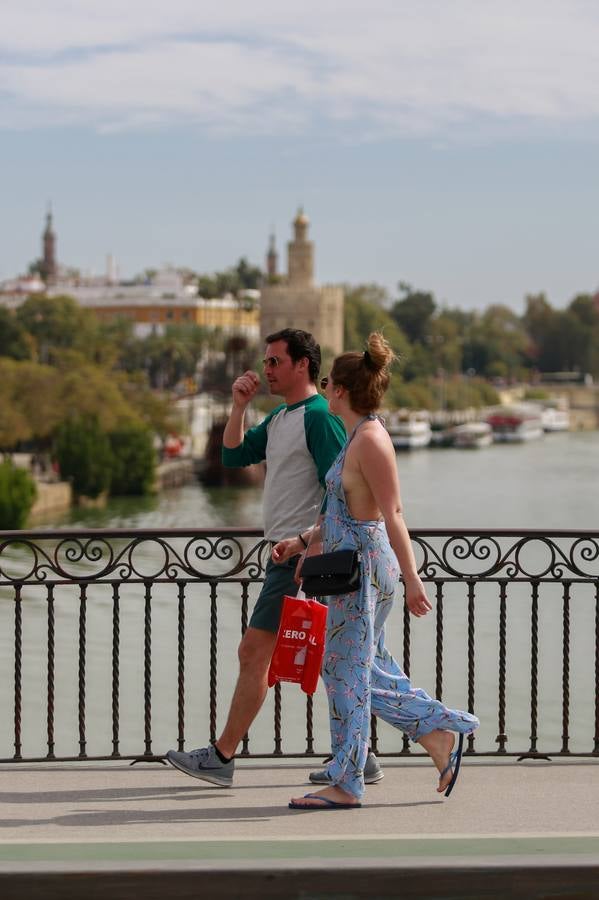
(204, 764)
(372, 772)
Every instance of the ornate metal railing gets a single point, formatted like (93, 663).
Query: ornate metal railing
(121, 633)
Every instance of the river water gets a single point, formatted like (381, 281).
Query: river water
(552, 483)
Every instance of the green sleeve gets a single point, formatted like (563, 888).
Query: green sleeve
(325, 436)
(252, 449)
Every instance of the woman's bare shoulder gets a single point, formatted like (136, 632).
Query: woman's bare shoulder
(374, 439)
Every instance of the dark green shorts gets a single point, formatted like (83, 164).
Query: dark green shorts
(278, 581)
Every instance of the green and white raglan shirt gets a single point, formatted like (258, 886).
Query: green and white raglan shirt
(299, 443)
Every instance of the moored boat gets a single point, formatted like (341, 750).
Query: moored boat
(555, 419)
(472, 435)
(516, 424)
(409, 433)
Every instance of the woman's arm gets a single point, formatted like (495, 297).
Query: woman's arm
(375, 458)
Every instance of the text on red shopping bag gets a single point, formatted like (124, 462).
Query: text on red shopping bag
(300, 643)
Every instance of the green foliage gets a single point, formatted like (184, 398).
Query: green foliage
(84, 456)
(563, 340)
(412, 395)
(169, 357)
(14, 339)
(152, 407)
(133, 461)
(371, 292)
(536, 394)
(56, 323)
(362, 317)
(17, 493)
(14, 426)
(452, 393)
(413, 313)
(242, 276)
(461, 393)
(496, 343)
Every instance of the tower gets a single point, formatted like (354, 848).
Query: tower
(296, 302)
(300, 252)
(271, 258)
(48, 266)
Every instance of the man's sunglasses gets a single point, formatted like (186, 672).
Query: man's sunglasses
(271, 362)
(323, 383)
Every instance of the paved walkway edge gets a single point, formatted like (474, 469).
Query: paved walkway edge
(519, 880)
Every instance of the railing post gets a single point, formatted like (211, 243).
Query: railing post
(471, 585)
(501, 738)
(181, 667)
(116, 637)
(82, 658)
(148, 668)
(566, 669)
(18, 669)
(50, 673)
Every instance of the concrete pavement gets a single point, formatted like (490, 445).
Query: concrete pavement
(113, 818)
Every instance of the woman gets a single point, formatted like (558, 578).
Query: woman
(364, 511)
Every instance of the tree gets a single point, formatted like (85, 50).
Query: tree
(17, 493)
(152, 407)
(56, 323)
(14, 340)
(361, 317)
(14, 426)
(583, 307)
(88, 391)
(250, 277)
(242, 276)
(133, 460)
(84, 456)
(563, 340)
(497, 344)
(413, 313)
(38, 400)
(538, 320)
(371, 292)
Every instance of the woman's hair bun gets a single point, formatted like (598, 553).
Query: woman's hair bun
(378, 354)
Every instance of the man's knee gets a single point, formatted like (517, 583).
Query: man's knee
(255, 650)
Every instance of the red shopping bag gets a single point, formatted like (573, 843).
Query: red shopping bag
(300, 643)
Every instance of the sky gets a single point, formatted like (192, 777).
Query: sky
(449, 144)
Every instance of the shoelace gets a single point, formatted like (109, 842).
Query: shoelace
(202, 754)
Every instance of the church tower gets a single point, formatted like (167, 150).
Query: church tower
(300, 252)
(271, 258)
(48, 266)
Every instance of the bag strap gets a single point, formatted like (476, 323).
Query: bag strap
(318, 514)
(324, 494)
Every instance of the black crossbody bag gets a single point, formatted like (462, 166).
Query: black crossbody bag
(330, 574)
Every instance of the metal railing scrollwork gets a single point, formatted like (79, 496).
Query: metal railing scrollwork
(97, 626)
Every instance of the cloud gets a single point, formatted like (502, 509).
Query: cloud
(389, 67)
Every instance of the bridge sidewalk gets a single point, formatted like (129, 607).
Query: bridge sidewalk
(148, 822)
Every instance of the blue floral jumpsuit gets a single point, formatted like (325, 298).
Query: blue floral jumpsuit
(359, 673)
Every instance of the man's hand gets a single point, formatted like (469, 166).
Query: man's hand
(284, 550)
(245, 389)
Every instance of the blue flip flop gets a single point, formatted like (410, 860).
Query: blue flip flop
(328, 804)
(455, 759)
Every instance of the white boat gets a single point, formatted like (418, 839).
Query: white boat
(555, 419)
(409, 434)
(472, 435)
(516, 424)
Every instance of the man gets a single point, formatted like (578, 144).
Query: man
(299, 441)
